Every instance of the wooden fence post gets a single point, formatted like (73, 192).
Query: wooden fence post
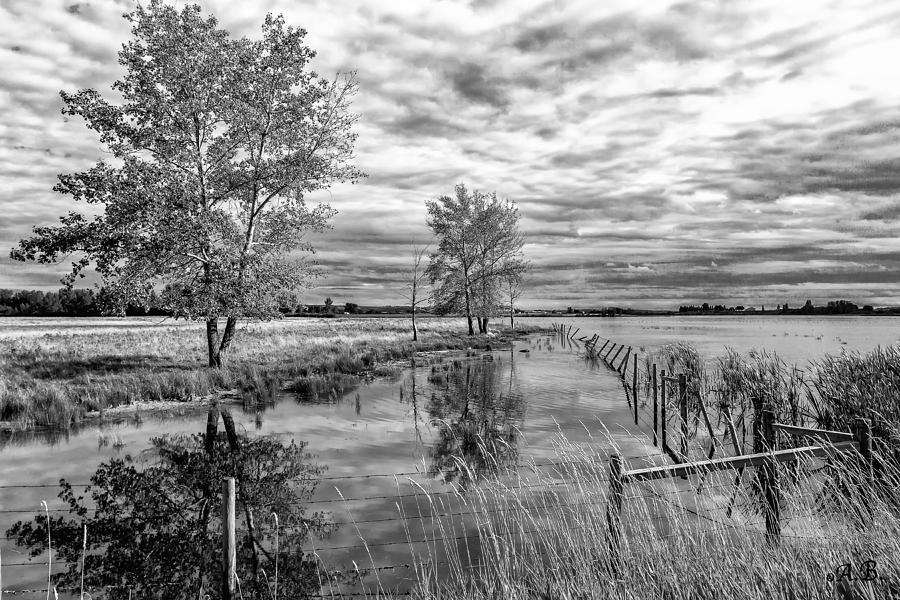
(769, 479)
(599, 352)
(662, 410)
(634, 387)
(615, 356)
(655, 408)
(863, 434)
(608, 352)
(623, 366)
(683, 407)
(614, 508)
(229, 556)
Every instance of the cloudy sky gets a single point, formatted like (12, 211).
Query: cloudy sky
(660, 153)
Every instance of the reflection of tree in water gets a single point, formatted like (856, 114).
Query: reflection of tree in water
(477, 424)
(156, 531)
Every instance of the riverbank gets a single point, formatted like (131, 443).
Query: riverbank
(59, 375)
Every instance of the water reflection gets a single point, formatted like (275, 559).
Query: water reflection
(154, 525)
(477, 421)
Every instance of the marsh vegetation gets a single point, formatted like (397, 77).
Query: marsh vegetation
(59, 378)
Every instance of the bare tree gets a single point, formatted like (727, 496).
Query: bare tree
(512, 291)
(416, 287)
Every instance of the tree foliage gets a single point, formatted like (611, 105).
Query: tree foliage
(479, 245)
(215, 145)
(154, 521)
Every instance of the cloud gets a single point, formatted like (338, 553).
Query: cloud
(660, 153)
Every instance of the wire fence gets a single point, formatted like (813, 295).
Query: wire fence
(561, 489)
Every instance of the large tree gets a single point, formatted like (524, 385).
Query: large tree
(479, 244)
(215, 144)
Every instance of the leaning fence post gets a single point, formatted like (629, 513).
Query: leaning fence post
(682, 404)
(863, 435)
(229, 556)
(634, 387)
(614, 507)
(612, 363)
(623, 366)
(608, 352)
(769, 479)
(662, 411)
(655, 409)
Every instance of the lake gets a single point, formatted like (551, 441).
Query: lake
(797, 339)
(443, 425)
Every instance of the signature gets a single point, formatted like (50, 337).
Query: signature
(866, 572)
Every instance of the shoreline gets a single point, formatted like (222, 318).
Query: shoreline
(60, 380)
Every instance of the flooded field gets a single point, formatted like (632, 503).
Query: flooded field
(422, 426)
(797, 339)
(365, 492)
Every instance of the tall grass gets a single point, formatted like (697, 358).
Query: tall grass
(515, 539)
(57, 379)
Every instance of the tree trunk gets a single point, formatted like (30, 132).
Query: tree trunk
(512, 325)
(235, 445)
(485, 325)
(209, 495)
(227, 336)
(415, 331)
(469, 311)
(212, 420)
(212, 342)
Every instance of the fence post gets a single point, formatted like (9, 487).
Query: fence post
(229, 556)
(608, 352)
(655, 408)
(682, 404)
(612, 363)
(623, 366)
(769, 478)
(602, 348)
(634, 386)
(863, 434)
(662, 410)
(614, 508)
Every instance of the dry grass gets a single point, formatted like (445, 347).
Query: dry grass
(545, 535)
(56, 378)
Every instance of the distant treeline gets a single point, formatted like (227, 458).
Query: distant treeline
(834, 307)
(85, 303)
(63, 303)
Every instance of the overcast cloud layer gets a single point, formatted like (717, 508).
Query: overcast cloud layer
(660, 152)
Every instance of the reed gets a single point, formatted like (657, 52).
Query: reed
(529, 542)
(58, 378)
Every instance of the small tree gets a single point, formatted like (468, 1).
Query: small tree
(329, 308)
(215, 145)
(479, 244)
(512, 292)
(416, 286)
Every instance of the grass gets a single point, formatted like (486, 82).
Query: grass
(56, 379)
(547, 536)
(828, 393)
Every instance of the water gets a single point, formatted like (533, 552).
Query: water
(518, 403)
(797, 339)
